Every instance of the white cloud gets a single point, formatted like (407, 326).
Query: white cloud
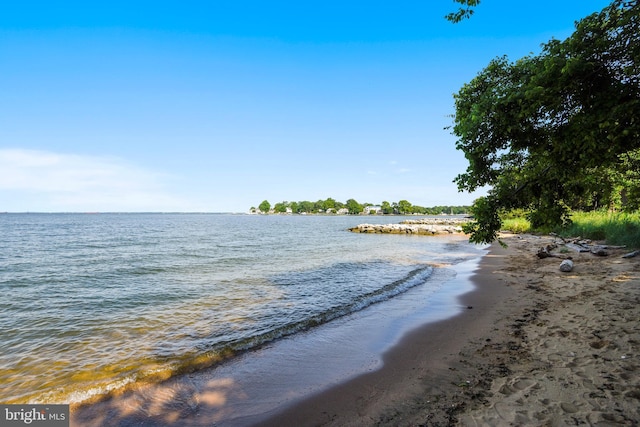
(32, 180)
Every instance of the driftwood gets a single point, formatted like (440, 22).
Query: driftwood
(631, 254)
(577, 247)
(545, 252)
(578, 244)
(599, 250)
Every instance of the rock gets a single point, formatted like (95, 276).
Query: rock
(566, 265)
(422, 229)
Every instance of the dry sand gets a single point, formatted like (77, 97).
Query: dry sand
(538, 347)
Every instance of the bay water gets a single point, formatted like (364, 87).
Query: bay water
(93, 303)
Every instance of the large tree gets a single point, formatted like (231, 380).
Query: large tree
(265, 206)
(545, 131)
(354, 207)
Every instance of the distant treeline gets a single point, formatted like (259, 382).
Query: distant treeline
(352, 207)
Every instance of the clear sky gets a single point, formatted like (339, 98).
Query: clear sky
(215, 106)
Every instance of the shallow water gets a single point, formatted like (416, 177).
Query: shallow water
(91, 303)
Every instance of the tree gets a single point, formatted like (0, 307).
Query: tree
(280, 207)
(353, 207)
(544, 131)
(265, 206)
(404, 207)
(329, 204)
(386, 208)
(305, 206)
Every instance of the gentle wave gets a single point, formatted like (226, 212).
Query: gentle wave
(202, 358)
(98, 304)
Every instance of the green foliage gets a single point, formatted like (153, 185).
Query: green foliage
(265, 206)
(463, 12)
(556, 131)
(616, 228)
(516, 225)
(280, 207)
(305, 206)
(329, 204)
(487, 221)
(402, 207)
(354, 207)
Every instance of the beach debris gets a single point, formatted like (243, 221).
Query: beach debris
(631, 254)
(545, 252)
(576, 247)
(566, 266)
(580, 245)
(599, 250)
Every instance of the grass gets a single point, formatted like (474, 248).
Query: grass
(615, 228)
(516, 225)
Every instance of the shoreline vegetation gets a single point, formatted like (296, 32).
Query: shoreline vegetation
(615, 228)
(331, 206)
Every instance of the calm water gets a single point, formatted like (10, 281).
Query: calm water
(92, 303)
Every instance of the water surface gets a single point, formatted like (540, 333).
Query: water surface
(93, 302)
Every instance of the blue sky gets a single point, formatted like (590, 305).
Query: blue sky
(215, 106)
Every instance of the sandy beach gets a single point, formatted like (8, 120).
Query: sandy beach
(534, 346)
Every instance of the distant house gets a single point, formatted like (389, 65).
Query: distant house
(372, 210)
(343, 211)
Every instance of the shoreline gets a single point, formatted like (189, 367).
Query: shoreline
(252, 385)
(418, 371)
(539, 347)
(534, 346)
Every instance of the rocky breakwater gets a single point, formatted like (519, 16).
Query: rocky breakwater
(425, 226)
